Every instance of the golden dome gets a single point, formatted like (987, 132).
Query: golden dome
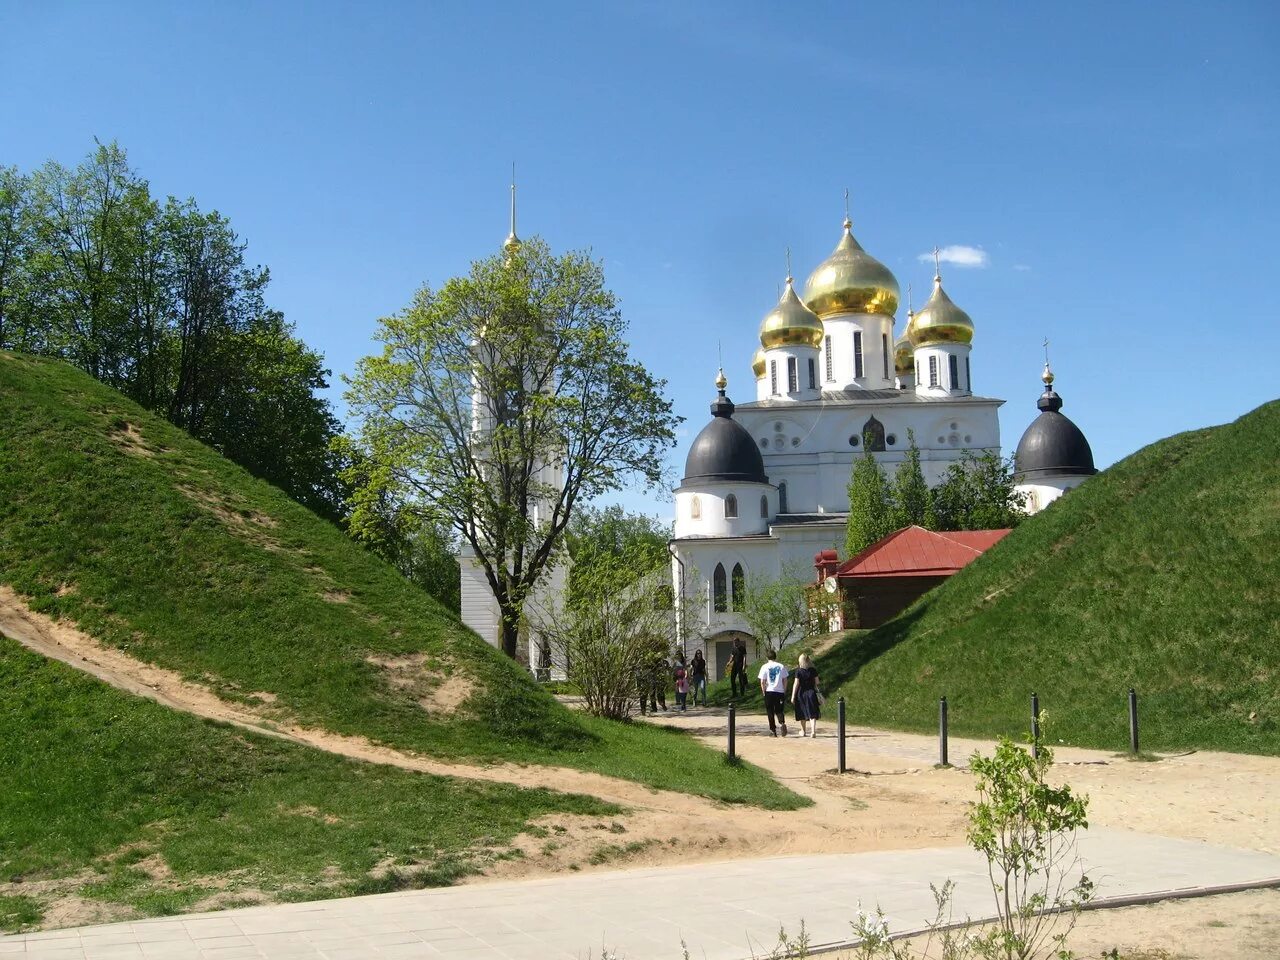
(851, 281)
(757, 363)
(790, 323)
(904, 360)
(940, 321)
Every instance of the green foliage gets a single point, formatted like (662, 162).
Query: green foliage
(99, 780)
(1157, 574)
(910, 500)
(499, 403)
(978, 494)
(595, 532)
(869, 503)
(122, 524)
(774, 610)
(19, 912)
(155, 299)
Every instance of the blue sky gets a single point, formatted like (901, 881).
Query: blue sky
(1117, 162)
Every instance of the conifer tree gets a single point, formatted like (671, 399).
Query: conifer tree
(911, 498)
(869, 503)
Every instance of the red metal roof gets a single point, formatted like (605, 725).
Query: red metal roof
(917, 552)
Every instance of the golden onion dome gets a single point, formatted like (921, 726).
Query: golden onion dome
(851, 281)
(757, 363)
(790, 323)
(940, 321)
(904, 360)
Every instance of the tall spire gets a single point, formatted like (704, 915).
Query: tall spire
(910, 308)
(512, 241)
(1047, 376)
(937, 265)
(848, 224)
(789, 278)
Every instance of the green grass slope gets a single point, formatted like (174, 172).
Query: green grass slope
(119, 801)
(151, 542)
(1161, 573)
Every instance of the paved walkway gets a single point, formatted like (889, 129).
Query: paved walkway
(723, 911)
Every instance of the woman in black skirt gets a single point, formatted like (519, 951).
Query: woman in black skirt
(804, 695)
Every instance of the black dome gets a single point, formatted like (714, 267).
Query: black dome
(1052, 444)
(724, 450)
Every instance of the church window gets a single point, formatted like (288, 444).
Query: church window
(782, 497)
(827, 351)
(955, 372)
(933, 371)
(853, 440)
(719, 589)
(891, 439)
(695, 508)
(764, 508)
(739, 584)
(793, 375)
(884, 354)
(813, 374)
(773, 377)
(968, 376)
(917, 371)
(857, 354)
(731, 507)
(873, 433)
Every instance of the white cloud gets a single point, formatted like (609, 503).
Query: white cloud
(960, 255)
(1021, 267)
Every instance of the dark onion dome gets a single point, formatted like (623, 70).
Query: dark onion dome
(1052, 445)
(724, 451)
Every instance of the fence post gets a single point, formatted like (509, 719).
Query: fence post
(1133, 720)
(733, 720)
(1035, 725)
(840, 764)
(942, 732)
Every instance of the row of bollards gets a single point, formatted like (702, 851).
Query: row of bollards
(841, 765)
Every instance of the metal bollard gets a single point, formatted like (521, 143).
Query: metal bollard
(1035, 725)
(840, 764)
(1133, 720)
(942, 732)
(733, 723)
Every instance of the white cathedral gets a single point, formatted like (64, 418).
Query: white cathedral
(765, 481)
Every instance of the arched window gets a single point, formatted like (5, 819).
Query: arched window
(695, 507)
(731, 507)
(764, 508)
(873, 434)
(719, 590)
(782, 497)
(739, 585)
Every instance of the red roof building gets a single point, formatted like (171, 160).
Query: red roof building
(891, 574)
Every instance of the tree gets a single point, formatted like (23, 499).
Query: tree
(774, 610)
(15, 239)
(978, 493)
(612, 531)
(499, 403)
(869, 502)
(910, 497)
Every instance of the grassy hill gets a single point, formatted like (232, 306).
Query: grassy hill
(1161, 573)
(152, 543)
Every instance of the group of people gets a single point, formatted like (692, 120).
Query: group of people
(805, 694)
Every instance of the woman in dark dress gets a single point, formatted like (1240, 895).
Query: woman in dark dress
(804, 695)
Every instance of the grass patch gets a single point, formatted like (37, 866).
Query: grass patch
(1160, 574)
(152, 543)
(18, 913)
(163, 808)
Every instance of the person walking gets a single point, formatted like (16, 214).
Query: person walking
(698, 677)
(681, 677)
(804, 694)
(773, 684)
(658, 683)
(738, 668)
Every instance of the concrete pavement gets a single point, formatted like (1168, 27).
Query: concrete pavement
(723, 911)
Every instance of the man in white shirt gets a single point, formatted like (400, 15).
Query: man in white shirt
(773, 684)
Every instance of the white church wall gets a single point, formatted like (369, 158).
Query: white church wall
(1047, 489)
(711, 520)
(844, 375)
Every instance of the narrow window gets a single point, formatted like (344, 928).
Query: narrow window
(782, 497)
(955, 372)
(773, 377)
(793, 375)
(764, 508)
(731, 507)
(917, 371)
(857, 354)
(884, 347)
(695, 508)
(830, 375)
(933, 370)
(968, 376)
(719, 589)
(813, 374)
(739, 585)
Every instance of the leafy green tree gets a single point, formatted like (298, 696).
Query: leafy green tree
(978, 493)
(869, 503)
(15, 239)
(612, 531)
(775, 610)
(910, 497)
(501, 402)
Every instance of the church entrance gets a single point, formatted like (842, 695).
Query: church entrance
(721, 647)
